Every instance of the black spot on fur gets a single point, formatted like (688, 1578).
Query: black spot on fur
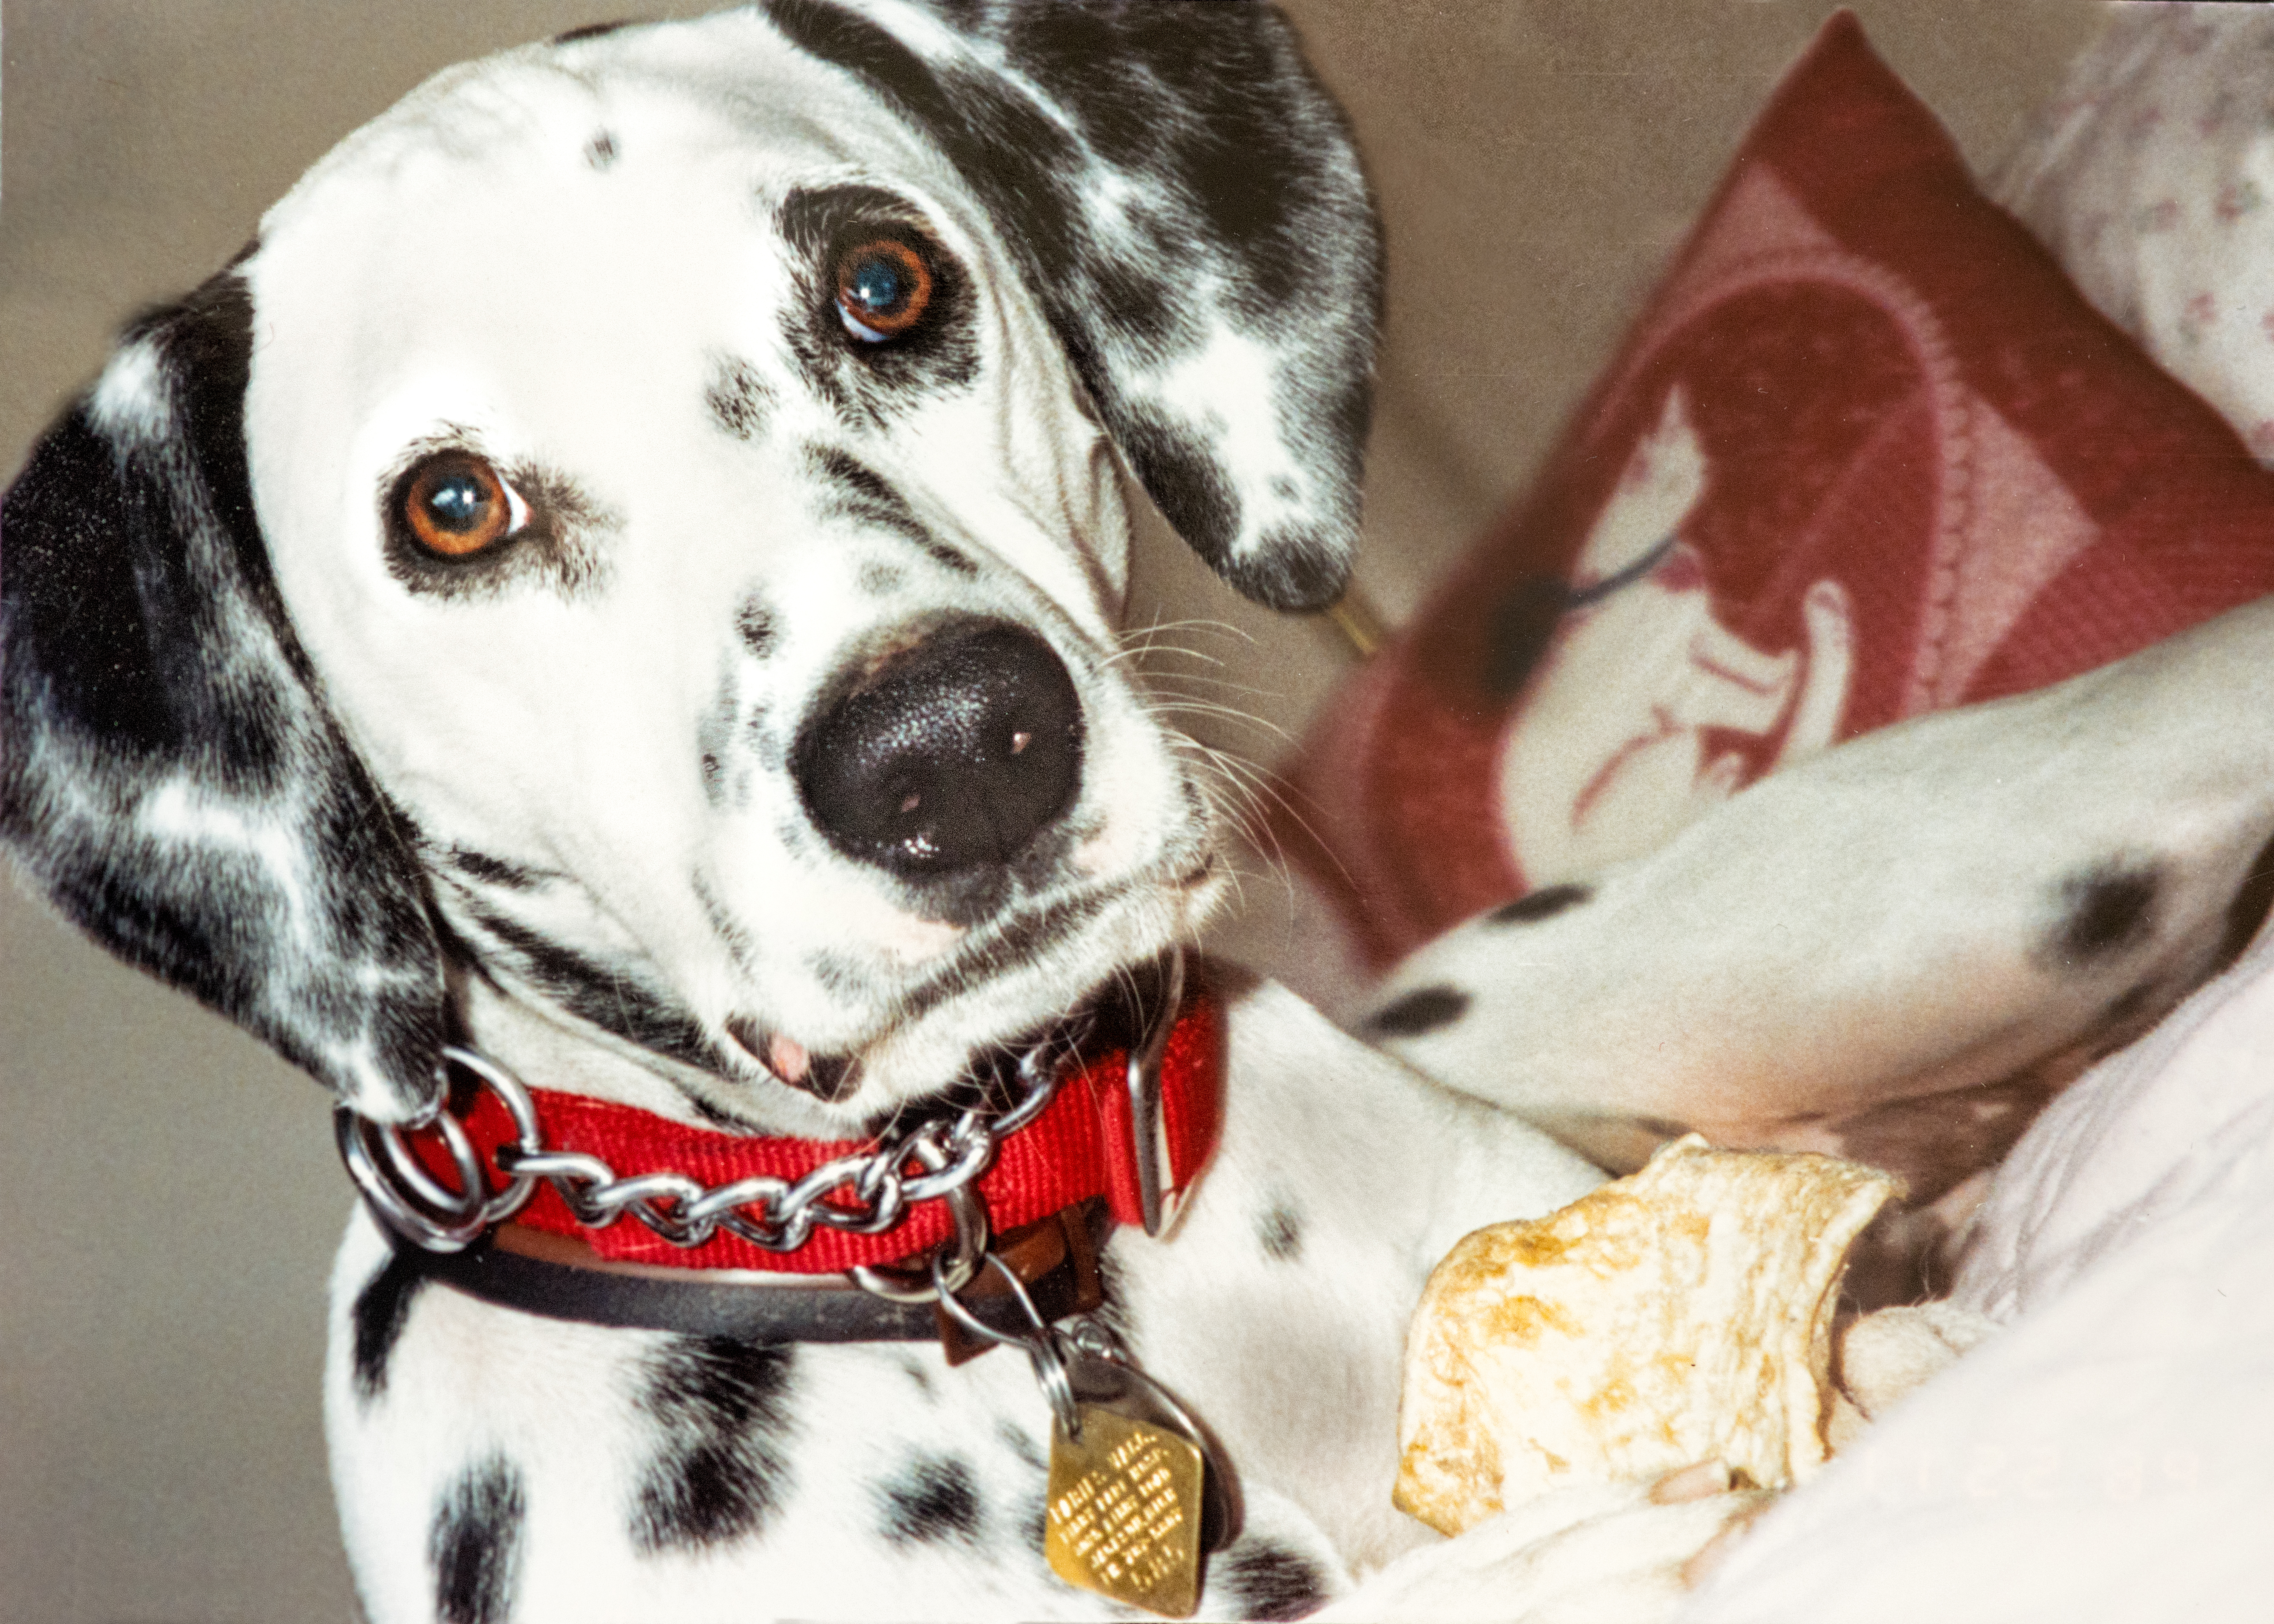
(2105, 911)
(860, 493)
(713, 1115)
(589, 30)
(755, 626)
(723, 1408)
(601, 151)
(1020, 1442)
(1424, 1009)
(382, 1308)
(1295, 564)
(951, 557)
(839, 976)
(493, 870)
(1185, 480)
(737, 398)
(935, 1502)
(1281, 1232)
(913, 1368)
(830, 1077)
(857, 485)
(881, 580)
(1266, 1581)
(1034, 1523)
(475, 1545)
(614, 999)
(714, 736)
(2247, 911)
(74, 614)
(1545, 903)
(723, 922)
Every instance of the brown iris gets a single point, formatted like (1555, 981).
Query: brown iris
(883, 288)
(456, 505)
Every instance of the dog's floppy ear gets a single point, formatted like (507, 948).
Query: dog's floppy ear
(167, 774)
(1188, 210)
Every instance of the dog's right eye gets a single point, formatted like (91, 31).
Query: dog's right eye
(455, 506)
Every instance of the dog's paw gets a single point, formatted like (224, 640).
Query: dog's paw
(1620, 1553)
(1886, 1356)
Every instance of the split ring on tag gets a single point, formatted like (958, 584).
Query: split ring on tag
(1042, 1346)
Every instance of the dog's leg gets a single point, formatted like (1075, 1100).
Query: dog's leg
(1985, 900)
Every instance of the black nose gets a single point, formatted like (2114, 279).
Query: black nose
(950, 754)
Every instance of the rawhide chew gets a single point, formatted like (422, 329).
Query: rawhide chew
(1683, 1314)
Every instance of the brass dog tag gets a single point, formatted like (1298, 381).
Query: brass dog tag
(1125, 1511)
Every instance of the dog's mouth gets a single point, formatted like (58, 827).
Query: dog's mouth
(829, 1078)
(1024, 937)
(1116, 1013)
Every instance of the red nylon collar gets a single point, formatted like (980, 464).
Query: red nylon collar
(1080, 1146)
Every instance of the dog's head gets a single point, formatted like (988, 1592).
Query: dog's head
(639, 540)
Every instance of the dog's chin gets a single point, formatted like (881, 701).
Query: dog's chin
(1103, 965)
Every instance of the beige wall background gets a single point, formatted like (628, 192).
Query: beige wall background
(168, 1194)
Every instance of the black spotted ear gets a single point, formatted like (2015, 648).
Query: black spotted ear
(1190, 214)
(171, 778)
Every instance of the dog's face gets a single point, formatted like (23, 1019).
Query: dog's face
(659, 508)
(772, 593)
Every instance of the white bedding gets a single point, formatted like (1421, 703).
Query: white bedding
(2110, 1454)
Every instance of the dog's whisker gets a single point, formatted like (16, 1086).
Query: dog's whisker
(1228, 713)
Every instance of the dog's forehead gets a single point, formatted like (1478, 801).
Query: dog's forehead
(641, 171)
(729, 80)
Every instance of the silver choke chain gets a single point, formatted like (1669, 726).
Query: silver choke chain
(863, 1194)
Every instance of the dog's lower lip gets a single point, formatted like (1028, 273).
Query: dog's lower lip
(827, 1078)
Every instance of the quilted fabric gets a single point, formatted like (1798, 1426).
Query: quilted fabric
(1866, 454)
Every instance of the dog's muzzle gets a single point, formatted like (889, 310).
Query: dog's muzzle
(948, 755)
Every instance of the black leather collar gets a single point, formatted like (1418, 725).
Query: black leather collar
(712, 1302)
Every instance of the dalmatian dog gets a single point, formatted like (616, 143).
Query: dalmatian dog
(620, 578)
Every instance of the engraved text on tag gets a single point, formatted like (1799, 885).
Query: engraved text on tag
(1125, 1511)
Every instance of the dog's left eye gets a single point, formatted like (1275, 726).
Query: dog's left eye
(883, 288)
(456, 505)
